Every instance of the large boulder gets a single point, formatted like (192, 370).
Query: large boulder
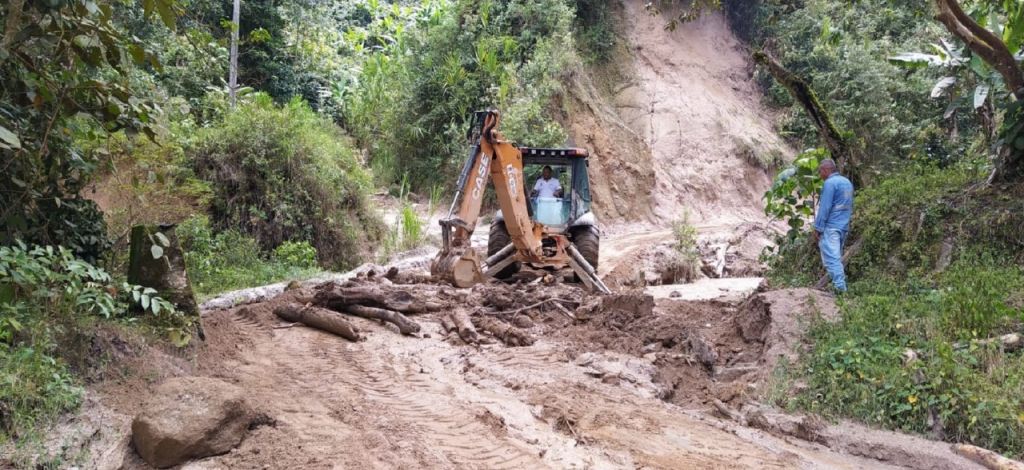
(188, 418)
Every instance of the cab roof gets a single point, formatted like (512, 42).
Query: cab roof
(556, 153)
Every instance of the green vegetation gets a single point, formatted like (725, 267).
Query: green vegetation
(412, 104)
(228, 260)
(937, 264)
(285, 173)
(686, 264)
(906, 356)
(47, 300)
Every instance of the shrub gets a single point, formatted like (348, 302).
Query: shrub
(229, 260)
(46, 296)
(686, 266)
(287, 174)
(858, 366)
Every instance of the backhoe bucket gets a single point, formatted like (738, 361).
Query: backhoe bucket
(460, 267)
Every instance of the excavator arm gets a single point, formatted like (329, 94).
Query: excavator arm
(498, 160)
(490, 159)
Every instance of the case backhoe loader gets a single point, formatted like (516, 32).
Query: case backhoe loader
(541, 232)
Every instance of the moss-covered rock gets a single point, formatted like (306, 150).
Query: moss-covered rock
(157, 260)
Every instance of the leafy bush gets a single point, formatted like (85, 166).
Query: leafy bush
(46, 294)
(229, 260)
(65, 73)
(794, 192)
(859, 367)
(412, 103)
(287, 174)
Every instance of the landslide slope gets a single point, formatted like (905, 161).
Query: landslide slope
(675, 124)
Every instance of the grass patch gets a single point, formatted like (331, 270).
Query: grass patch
(954, 389)
(229, 260)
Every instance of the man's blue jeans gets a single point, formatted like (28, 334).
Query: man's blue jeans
(831, 245)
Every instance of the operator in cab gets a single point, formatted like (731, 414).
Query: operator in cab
(547, 185)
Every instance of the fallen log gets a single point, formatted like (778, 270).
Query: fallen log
(337, 297)
(987, 458)
(553, 301)
(508, 334)
(319, 318)
(404, 324)
(464, 326)
(447, 325)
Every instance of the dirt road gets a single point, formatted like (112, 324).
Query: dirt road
(589, 393)
(407, 402)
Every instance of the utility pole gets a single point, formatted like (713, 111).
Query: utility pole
(233, 72)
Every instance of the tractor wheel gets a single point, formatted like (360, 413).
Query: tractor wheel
(588, 242)
(496, 240)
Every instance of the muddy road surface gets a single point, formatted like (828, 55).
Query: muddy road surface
(624, 381)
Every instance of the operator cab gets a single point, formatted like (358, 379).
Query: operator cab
(558, 211)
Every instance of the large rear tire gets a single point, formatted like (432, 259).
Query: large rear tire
(496, 240)
(588, 242)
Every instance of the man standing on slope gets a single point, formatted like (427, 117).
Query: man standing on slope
(832, 222)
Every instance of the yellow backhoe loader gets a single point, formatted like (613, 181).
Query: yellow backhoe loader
(542, 232)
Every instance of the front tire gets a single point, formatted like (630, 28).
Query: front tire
(497, 239)
(588, 242)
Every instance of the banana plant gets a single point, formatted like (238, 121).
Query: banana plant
(961, 69)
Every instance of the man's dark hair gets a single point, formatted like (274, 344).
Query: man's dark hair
(547, 167)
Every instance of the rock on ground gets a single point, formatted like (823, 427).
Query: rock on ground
(190, 417)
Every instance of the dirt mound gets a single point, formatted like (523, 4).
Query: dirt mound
(779, 321)
(703, 351)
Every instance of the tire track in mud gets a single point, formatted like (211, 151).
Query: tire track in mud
(401, 402)
(428, 415)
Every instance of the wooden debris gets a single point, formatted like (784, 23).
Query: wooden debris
(987, 458)
(505, 332)
(404, 324)
(319, 318)
(447, 325)
(464, 326)
(535, 305)
(729, 412)
(337, 297)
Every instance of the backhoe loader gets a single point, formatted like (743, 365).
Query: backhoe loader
(545, 233)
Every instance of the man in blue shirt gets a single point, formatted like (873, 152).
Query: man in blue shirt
(832, 222)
